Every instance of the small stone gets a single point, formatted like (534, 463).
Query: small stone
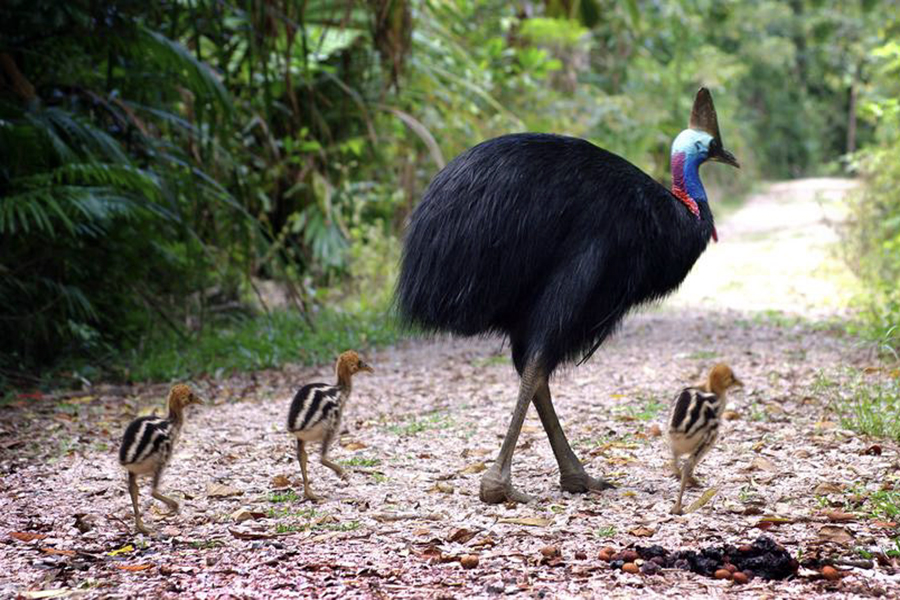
(830, 573)
(580, 555)
(469, 561)
(730, 415)
(550, 551)
(605, 556)
(650, 568)
(730, 568)
(739, 577)
(627, 556)
(745, 548)
(630, 567)
(723, 574)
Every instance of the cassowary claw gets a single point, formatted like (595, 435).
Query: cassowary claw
(583, 482)
(495, 489)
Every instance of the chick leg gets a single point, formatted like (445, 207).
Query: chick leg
(326, 443)
(572, 477)
(172, 504)
(686, 475)
(496, 483)
(303, 458)
(133, 490)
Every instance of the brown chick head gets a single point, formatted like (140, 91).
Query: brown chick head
(349, 363)
(181, 395)
(721, 377)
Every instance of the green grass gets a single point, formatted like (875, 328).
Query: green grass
(884, 505)
(416, 425)
(259, 342)
(359, 461)
(872, 408)
(285, 496)
(606, 532)
(647, 409)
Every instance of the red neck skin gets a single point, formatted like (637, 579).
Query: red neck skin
(679, 191)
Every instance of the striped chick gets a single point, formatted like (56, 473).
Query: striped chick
(147, 447)
(694, 423)
(315, 414)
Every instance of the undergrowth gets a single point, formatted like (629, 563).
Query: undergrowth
(865, 404)
(260, 342)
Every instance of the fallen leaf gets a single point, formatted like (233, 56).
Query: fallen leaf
(461, 535)
(249, 535)
(703, 500)
(530, 521)
(642, 531)
(835, 534)
(530, 429)
(440, 486)
(654, 431)
(474, 468)
(123, 550)
(838, 516)
(219, 490)
(280, 481)
(731, 415)
(825, 488)
(245, 515)
(884, 524)
(48, 550)
(826, 425)
(354, 446)
(47, 593)
(760, 463)
(26, 536)
(140, 567)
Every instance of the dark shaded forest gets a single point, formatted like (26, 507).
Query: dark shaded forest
(197, 186)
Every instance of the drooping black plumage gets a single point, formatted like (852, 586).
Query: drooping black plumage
(547, 239)
(550, 241)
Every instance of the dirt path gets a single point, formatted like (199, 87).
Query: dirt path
(422, 427)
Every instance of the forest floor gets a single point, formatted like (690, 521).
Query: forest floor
(769, 299)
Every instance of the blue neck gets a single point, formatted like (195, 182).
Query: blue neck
(686, 174)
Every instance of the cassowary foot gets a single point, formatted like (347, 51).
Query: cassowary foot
(495, 489)
(579, 483)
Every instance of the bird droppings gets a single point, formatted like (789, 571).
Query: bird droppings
(764, 558)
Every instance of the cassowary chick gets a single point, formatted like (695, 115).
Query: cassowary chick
(315, 414)
(147, 447)
(694, 423)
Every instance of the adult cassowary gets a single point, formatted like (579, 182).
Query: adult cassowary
(550, 241)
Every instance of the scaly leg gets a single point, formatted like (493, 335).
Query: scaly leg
(496, 483)
(686, 476)
(303, 458)
(326, 443)
(172, 504)
(133, 490)
(572, 477)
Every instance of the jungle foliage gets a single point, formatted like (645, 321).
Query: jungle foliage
(160, 162)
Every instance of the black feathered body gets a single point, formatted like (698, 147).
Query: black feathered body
(547, 239)
(315, 412)
(694, 421)
(147, 444)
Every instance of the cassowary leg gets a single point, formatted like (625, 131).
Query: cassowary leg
(172, 504)
(496, 484)
(572, 477)
(133, 490)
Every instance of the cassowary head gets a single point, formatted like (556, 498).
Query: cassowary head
(721, 377)
(700, 142)
(180, 396)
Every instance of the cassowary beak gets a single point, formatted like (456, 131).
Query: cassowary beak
(724, 156)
